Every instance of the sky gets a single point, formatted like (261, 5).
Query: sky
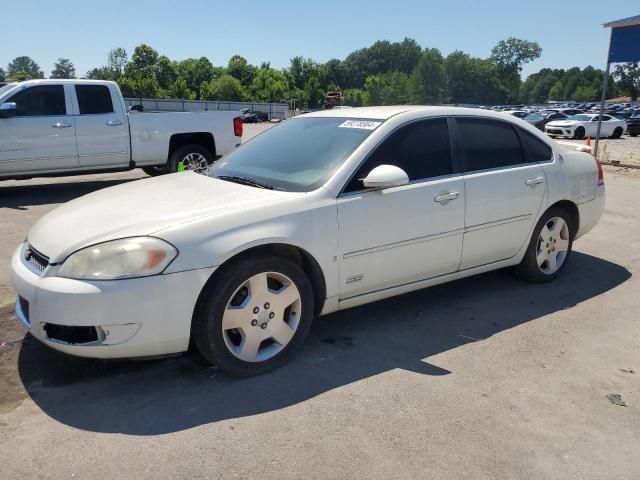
(570, 32)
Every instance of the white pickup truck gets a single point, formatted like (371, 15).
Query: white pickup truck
(53, 127)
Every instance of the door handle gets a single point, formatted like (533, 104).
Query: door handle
(61, 125)
(113, 123)
(445, 197)
(534, 181)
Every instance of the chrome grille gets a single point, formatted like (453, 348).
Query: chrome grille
(35, 258)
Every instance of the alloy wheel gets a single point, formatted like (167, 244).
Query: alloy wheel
(195, 162)
(553, 245)
(261, 317)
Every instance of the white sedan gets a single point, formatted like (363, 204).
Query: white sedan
(586, 125)
(321, 213)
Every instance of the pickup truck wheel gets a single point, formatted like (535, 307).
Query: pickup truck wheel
(254, 315)
(194, 158)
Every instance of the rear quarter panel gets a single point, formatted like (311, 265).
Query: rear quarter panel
(152, 131)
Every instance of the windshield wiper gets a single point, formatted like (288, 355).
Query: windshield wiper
(245, 181)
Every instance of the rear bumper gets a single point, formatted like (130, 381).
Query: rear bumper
(590, 212)
(127, 318)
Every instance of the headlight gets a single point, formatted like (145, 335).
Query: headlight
(125, 258)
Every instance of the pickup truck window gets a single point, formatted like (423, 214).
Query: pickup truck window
(94, 99)
(39, 101)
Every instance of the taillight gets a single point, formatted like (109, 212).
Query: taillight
(600, 172)
(237, 126)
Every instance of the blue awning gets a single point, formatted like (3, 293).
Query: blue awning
(625, 40)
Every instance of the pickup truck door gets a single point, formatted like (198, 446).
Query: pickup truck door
(41, 136)
(101, 128)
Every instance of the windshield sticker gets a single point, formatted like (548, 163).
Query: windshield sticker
(364, 124)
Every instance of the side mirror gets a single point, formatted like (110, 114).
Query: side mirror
(385, 176)
(8, 109)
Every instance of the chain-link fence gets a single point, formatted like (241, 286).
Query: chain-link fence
(273, 111)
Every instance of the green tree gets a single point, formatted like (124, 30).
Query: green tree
(100, 73)
(23, 68)
(585, 94)
(224, 87)
(63, 68)
(239, 68)
(427, 82)
(509, 56)
(387, 89)
(195, 71)
(165, 72)
(3, 75)
(355, 97)
(143, 62)
(269, 85)
(116, 61)
(557, 91)
(180, 90)
(629, 79)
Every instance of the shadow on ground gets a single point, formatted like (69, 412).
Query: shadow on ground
(20, 197)
(153, 397)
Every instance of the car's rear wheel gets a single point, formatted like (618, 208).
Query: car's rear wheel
(617, 133)
(549, 248)
(194, 158)
(579, 133)
(253, 315)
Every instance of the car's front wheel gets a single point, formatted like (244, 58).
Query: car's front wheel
(253, 315)
(549, 248)
(579, 133)
(617, 133)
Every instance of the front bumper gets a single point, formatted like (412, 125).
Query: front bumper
(132, 318)
(559, 131)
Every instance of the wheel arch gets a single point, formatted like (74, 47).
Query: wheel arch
(572, 210)
(204, 139)
(284, 250)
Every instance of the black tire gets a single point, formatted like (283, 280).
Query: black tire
(617, 133)
(528, 268)
(633, 134)
(206, 331)
(181, 153)
(579, 133)
(154, 170)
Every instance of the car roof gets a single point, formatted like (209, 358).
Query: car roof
(386, 112)
(44, 81)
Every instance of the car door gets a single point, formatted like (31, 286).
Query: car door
(101, 128)
(408, 233)
(503, 190)
(41, 136)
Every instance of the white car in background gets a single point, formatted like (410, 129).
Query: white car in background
(324, 212)
(586, 125)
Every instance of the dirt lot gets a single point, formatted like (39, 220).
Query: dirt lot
(625, 150)
(486, 377)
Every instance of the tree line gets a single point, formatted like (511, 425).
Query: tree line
(381, 74)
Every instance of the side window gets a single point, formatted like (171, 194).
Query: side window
(489, 144)
(421, 149)
(535, 149)
(605, 118)
(93, 99)
(40, 100)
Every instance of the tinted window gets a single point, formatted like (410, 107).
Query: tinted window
(556, 116)
(535, 149)
(489, 144)
(422, 150)
(41, 100)
(298, 155)
(94, 99)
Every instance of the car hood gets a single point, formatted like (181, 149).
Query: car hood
(142, 207)
(562, 123)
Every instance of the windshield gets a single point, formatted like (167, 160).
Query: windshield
(534, 117)
(6, 88)
(298, 155)
(581, 118)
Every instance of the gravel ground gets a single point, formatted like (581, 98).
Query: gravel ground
(625, 150)
(485, 377)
